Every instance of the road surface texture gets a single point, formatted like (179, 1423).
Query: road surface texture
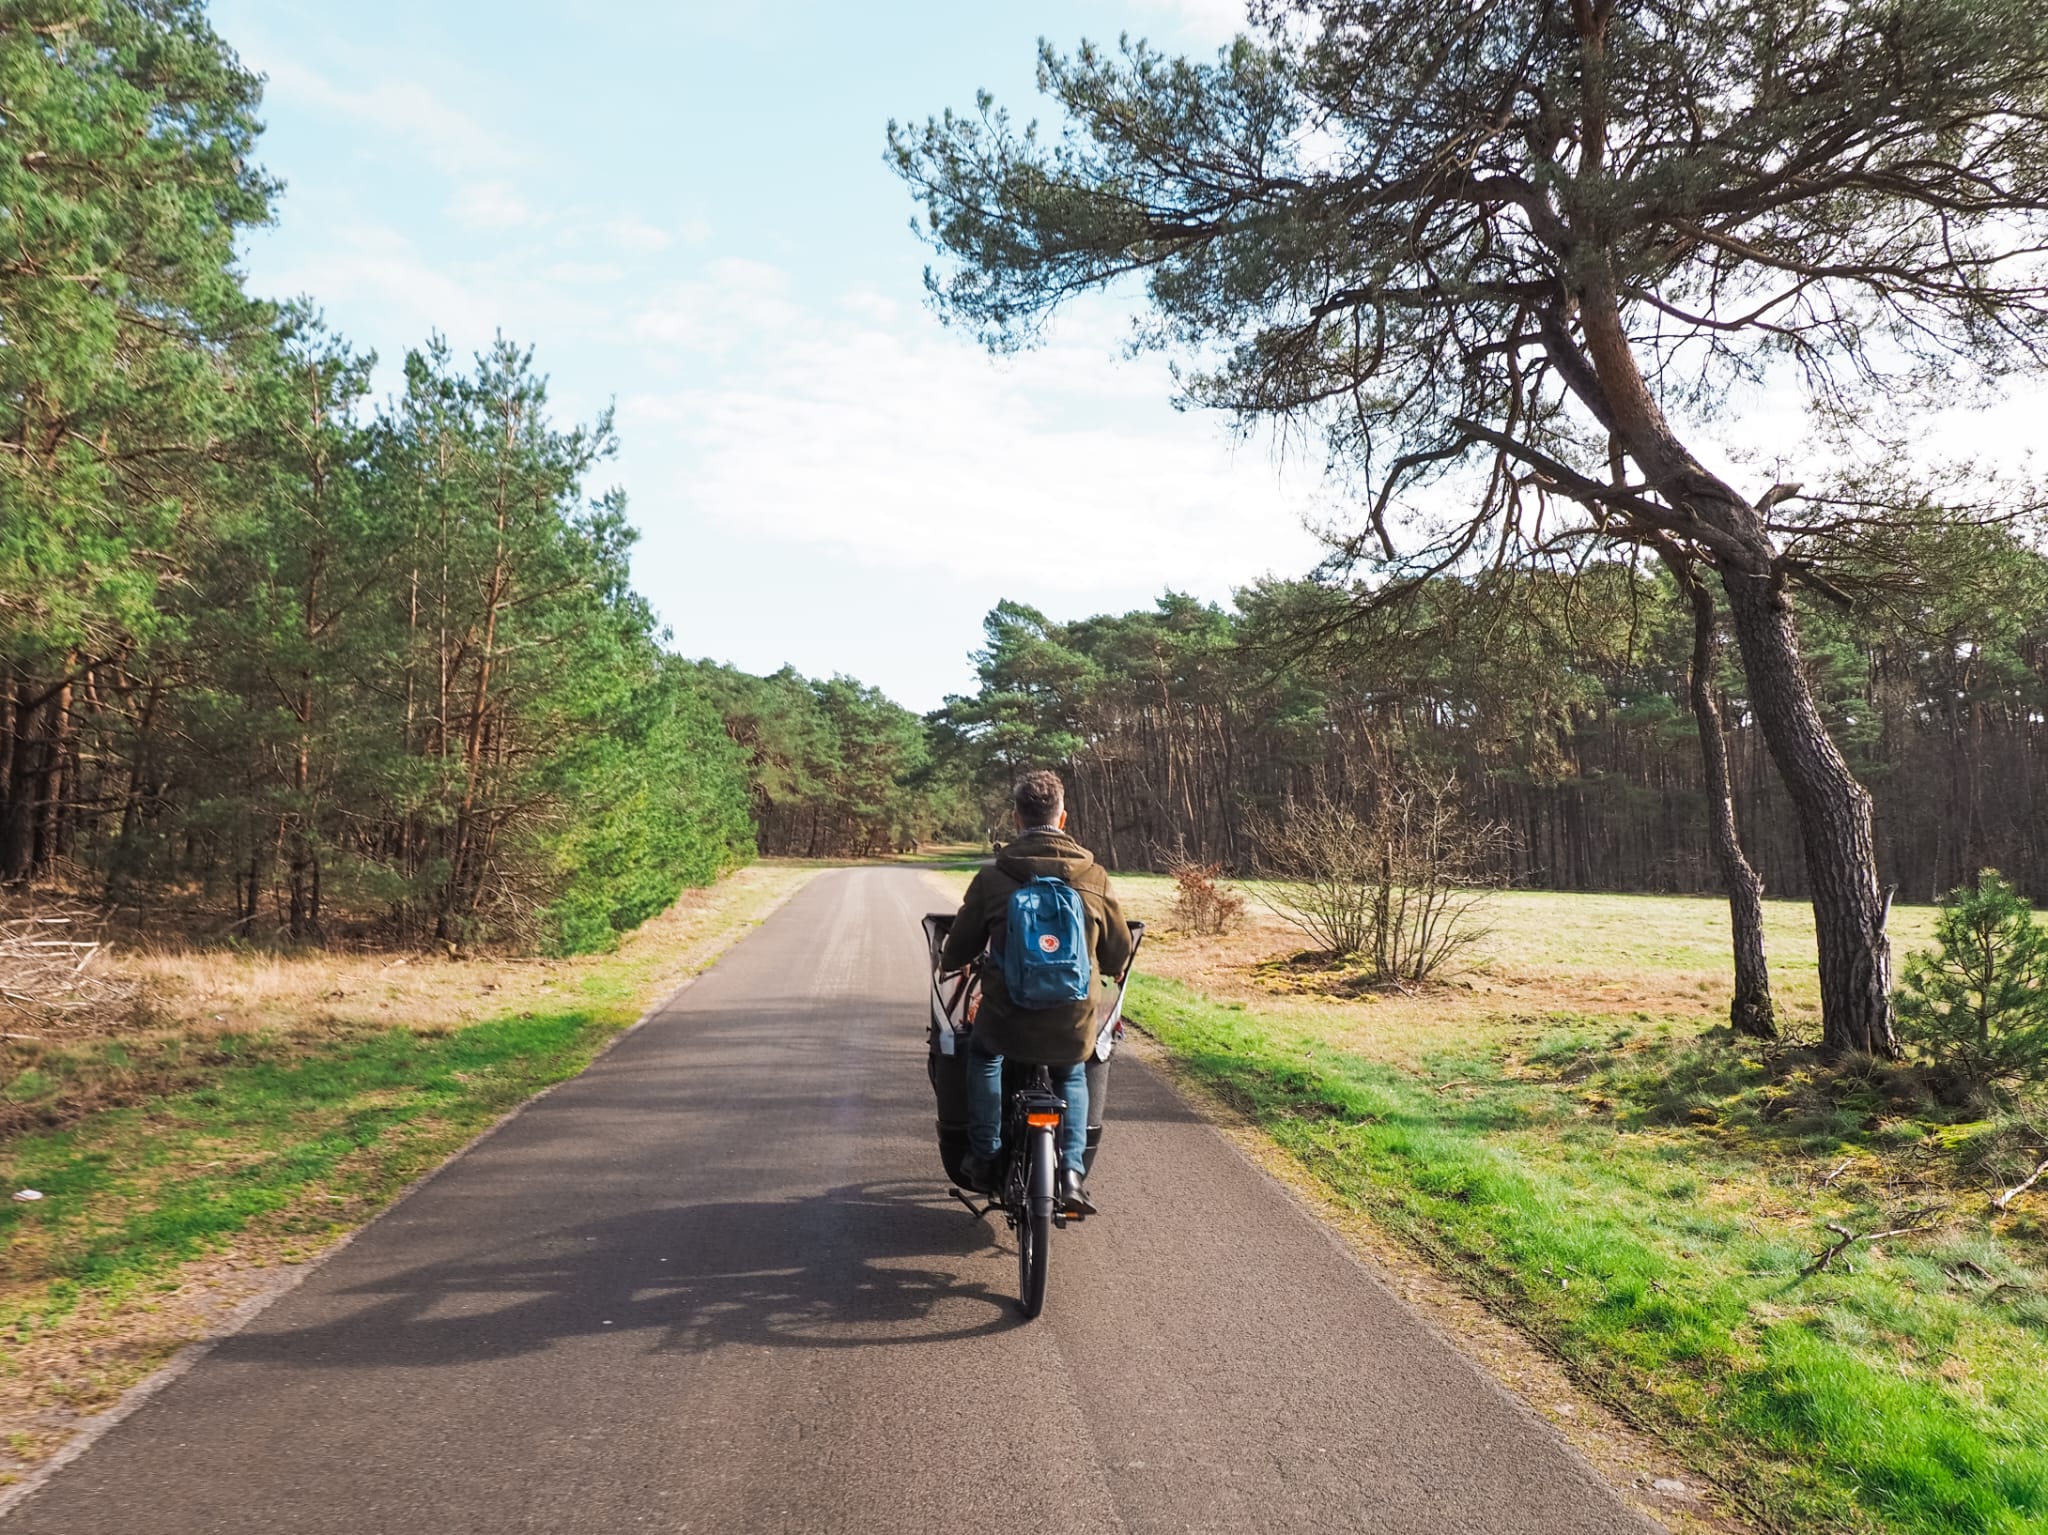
(715, 1284)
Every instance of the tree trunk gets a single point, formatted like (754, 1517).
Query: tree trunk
(1833, 812)
(304, 919)
(300, 918)
(50, 781)
(18, 820)
(1832, 808)
(248, 885)
(463, 883)
(1750, 1012)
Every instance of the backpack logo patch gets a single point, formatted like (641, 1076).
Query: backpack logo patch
(1047, 942)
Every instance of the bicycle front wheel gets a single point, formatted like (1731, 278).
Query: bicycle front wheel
(1034, 1231)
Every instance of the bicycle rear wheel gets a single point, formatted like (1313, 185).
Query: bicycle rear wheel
(1034, 1231)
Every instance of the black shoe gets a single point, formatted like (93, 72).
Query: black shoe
(1074, 1198)
(980, 1174)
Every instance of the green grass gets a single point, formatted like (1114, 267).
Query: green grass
(136, 1191)
(1630, 1194)
(947, 856)
(261, 1132)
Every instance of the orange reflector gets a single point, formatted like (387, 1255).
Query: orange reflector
(1041, 1121)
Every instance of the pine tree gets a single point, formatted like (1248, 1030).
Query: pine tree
(125, 131)
(1510, 242)
(1978, 1003)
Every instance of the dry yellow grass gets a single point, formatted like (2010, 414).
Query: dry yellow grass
(1547, 953)
(59, 1069)
(204, 991)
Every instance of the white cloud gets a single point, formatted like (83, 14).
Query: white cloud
(370, 268)
(637, 236)
(1219, 19)
(584, 273)
(368, 263)
(493, 204)
(736, 302)
(901, 445)
(444, 135)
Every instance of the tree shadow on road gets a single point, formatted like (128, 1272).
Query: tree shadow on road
(850, 1268)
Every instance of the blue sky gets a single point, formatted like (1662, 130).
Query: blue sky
(685, 209)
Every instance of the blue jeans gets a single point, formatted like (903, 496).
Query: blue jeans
(985, 1106)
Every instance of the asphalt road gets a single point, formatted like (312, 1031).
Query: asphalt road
(715, 1284)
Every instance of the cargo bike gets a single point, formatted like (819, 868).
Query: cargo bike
(1028, 1162)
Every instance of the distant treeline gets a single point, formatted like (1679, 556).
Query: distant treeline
(1559, 702)
(835, 769)
(274, 662)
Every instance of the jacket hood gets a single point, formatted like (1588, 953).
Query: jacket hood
(1043, 852)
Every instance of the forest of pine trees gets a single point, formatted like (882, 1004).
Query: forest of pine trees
(835, 768)
(1560, 704)
(277, 662)
(384, 665)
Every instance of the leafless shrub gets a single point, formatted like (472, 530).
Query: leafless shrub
(52, 965)
(1399, 886)
(1322, 863)
(1201, 902)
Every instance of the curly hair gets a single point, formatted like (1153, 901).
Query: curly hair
(1039, 797)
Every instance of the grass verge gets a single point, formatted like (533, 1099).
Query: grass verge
(1624, 1192)
(181, 1162)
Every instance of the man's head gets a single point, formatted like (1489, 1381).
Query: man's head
(1041, 800)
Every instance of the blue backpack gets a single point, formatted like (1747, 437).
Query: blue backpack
(1045, 956)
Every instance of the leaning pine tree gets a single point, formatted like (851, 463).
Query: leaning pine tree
(1515, 244)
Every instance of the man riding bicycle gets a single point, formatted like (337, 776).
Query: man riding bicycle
(1060, 1036)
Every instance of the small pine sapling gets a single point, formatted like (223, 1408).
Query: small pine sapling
(1978, 1004)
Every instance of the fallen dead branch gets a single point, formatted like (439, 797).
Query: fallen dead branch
(51, 966)
(2005, 1199)
(1850, 1238)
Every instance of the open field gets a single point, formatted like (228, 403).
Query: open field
(1569, 1132)
(1632, 958)
(262, 1107)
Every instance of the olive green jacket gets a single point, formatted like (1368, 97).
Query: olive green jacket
(1046, 1036)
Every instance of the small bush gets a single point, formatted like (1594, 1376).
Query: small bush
(1398, 887)
(1201, 903)
(1324, 861)
(1978, 1004)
